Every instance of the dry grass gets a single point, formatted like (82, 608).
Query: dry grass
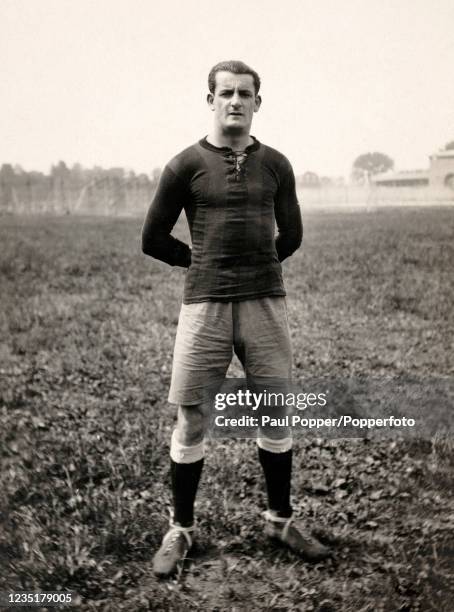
(87, 327)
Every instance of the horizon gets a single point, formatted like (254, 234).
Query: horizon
(149, 174)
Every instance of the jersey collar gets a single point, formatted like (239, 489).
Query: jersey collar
(207, 145)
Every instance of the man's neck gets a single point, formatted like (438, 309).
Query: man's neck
(237, 142)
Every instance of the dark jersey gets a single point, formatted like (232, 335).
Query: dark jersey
(232, 203)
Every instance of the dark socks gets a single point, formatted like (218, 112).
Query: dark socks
(185, 480)
(277, 468)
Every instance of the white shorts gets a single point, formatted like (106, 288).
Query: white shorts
(208, 333)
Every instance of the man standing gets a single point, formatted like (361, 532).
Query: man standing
(234, 190)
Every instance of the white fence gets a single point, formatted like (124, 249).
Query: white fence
(353, 196)
(135, 200)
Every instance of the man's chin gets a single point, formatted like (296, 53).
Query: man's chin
(236, 130)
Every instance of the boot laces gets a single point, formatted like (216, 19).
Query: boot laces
(285, 522)
(173, 534)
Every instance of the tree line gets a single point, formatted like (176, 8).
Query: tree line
(113, 191)
(75, 189)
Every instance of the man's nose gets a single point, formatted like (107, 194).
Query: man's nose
(236, 100)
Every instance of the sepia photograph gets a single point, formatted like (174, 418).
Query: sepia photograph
(227, 306)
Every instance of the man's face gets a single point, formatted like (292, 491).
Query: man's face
(234, 102)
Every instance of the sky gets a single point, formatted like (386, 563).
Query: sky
(124, 83)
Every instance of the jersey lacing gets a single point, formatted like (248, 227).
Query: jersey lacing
(239, 157)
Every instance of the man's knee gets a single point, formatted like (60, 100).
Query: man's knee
(191, 424)
(273, 444)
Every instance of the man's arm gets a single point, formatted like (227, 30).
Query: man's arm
(162, 215)
(288, 217)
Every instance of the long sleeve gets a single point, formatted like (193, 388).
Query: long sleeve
(161, 217)
(288, 217)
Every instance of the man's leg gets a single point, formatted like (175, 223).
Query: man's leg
(186, 462)
(202, 354)
(275, 456)
(263, 345)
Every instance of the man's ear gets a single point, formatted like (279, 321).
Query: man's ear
(210, 100)
(258, 102)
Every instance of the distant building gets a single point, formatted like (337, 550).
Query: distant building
(439, 174)
(441, 171)
(406, 178)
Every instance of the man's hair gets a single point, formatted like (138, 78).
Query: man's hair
(236, 67)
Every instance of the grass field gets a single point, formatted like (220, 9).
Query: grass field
(87, 329)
